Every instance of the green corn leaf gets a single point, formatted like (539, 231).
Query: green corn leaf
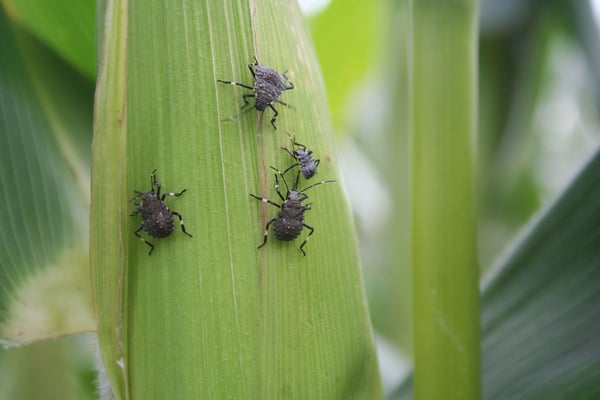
(45, 122)
(212, 315)
(109, 212)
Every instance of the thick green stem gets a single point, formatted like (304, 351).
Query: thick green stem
(443, 100)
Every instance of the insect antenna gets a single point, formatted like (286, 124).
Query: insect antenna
(287, 189)
(316, 184)
(154, 183)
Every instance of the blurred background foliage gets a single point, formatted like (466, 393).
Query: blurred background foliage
(539, 98)
(539, 104)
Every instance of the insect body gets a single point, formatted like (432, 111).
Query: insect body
(268, 87)
(289, 221)
(157, 219)
(303, 157)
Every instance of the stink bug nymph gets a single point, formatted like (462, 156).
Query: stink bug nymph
(303, 157)
(157, 219)
(289, 221)
(268, 87)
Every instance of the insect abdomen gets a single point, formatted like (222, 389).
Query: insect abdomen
(269, 85)
(286, 229)
(157, 220)
(308, 169)
(289, 221)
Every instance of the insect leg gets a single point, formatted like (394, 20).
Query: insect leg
(288, 151)
(291, 107)
(172, 194)
(274, 116)
(265, 200)
(290, 167)
(181, 222)
(312, 230)
(236, 84)
(137, 233)
(303, 147)
(138, 194)
(246, 102)
(288, 79)
(266, 233)
(283, 103)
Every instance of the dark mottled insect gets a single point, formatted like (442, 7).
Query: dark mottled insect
(157, 219)
(303, 157)
(289, 221)
(268, 86)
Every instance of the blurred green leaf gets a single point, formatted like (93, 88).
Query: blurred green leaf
(65, 26)
(541, 318)
(233, 320)
(355, 23)
(395, 316)
(45, 122)
(47, 370)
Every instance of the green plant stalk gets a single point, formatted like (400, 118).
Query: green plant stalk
(212, 316)
(445, 272)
